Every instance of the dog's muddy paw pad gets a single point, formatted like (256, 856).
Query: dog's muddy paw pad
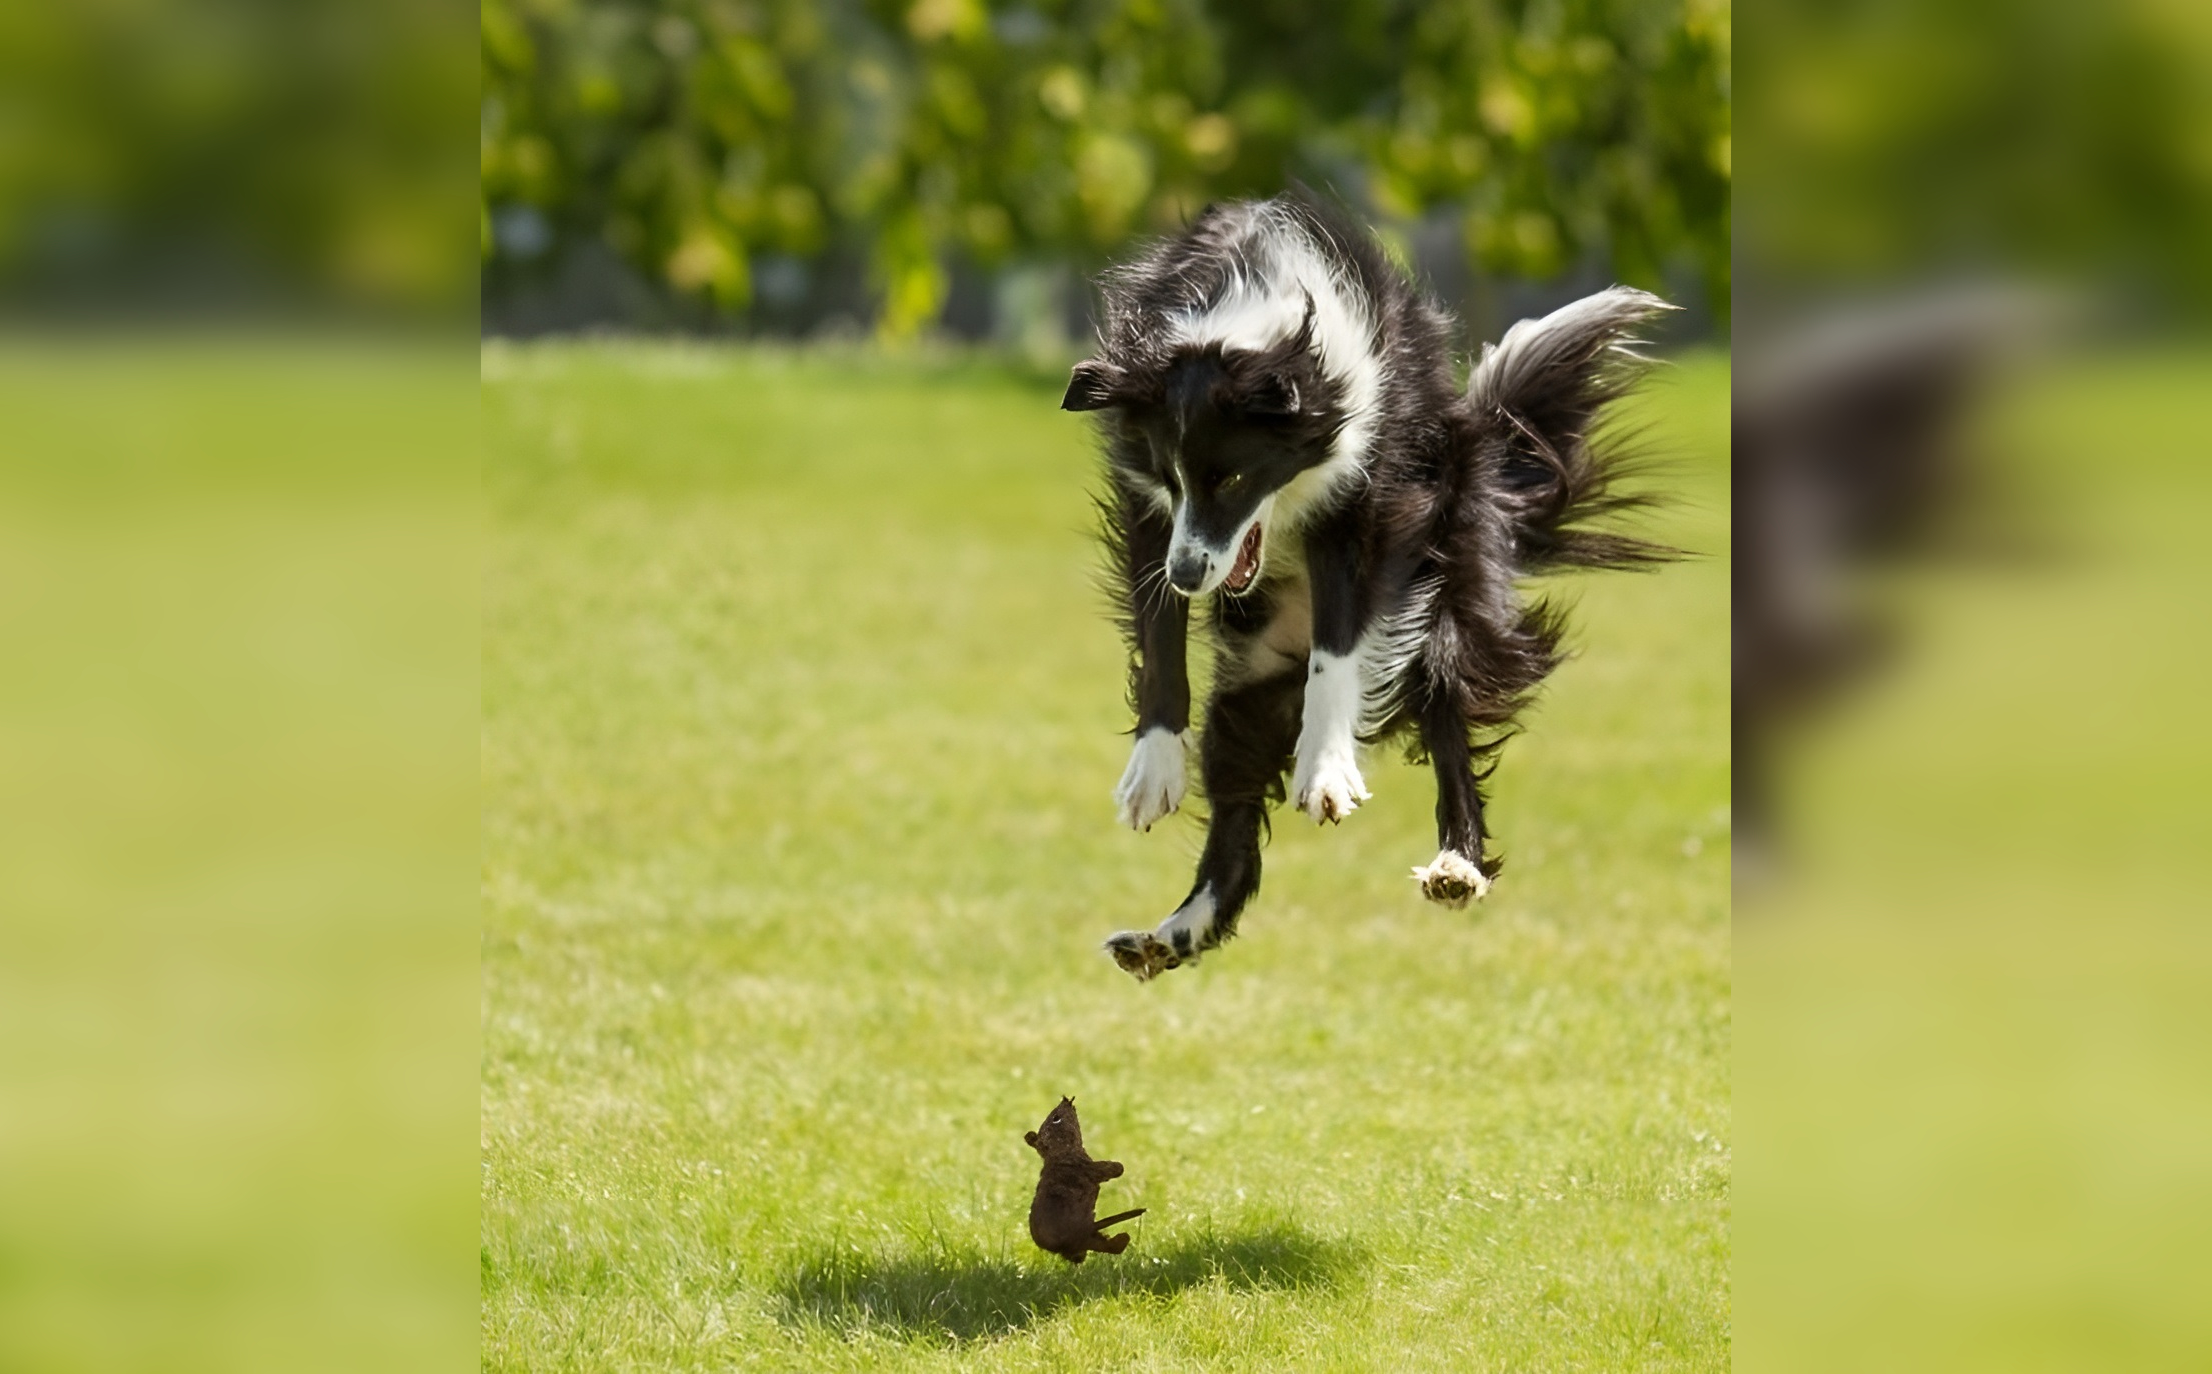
(1451, 879)
(1142, 954)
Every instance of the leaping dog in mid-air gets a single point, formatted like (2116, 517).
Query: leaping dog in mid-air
(1283, 436)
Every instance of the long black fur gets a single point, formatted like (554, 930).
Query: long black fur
(1458, 494)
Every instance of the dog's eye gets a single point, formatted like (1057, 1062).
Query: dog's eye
(1231, 483)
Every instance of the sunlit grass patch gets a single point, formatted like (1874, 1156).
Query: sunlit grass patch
(800, 722)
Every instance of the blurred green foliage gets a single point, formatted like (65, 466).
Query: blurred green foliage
(1898, 139)
(695, 134)
(167, 155)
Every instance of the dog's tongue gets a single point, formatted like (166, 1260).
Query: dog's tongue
(1247, 565)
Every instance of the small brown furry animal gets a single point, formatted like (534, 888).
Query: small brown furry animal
(1060, 1220)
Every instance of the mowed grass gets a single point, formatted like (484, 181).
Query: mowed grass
(800, 720)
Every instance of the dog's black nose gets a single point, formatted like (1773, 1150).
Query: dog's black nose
(1186, 571)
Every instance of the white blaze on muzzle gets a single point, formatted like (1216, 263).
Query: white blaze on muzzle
(1235, 564)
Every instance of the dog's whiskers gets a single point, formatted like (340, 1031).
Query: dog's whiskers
(1152, 589)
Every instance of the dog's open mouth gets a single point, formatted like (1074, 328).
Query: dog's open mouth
(1247, 567)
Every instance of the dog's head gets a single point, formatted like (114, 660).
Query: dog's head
(1214, 434)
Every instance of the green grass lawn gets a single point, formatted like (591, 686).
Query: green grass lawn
(799, 723)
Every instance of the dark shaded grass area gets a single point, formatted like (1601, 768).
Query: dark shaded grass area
(964, 1295)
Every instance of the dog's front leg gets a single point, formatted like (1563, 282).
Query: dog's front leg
(1152, 786)
(1245, 745)
(1326, 782)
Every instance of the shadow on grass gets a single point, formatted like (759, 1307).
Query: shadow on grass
(964, 1297)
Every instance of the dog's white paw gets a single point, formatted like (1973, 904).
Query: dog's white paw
(1451, 878)
(1152, 785)
(1327, 785)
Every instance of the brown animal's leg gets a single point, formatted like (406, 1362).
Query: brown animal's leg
(1460, 870)
(1110, 1245)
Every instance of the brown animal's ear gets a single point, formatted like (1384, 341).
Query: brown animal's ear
(1092, 386)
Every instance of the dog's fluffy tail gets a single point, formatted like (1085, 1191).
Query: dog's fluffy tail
(1541, 389)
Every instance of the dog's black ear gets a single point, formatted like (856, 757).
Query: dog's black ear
(1093, 386)
(1275, 394)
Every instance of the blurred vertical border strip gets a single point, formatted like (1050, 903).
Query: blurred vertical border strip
(237, 707)
(1973, 1082)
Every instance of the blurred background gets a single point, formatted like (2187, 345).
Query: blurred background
(243, 161)
(800, 168)
(238, 698)
(1971, 430)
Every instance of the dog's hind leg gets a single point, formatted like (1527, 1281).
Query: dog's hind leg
(1460, 870)
(1244, 752)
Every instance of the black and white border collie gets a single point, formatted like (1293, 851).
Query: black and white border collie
(1284, 442)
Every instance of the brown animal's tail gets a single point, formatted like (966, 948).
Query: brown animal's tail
(1104, 1222)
